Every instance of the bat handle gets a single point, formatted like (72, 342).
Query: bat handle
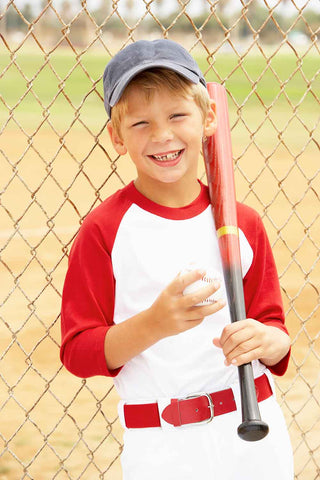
(252, 427)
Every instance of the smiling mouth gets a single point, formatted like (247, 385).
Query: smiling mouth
(167, 157)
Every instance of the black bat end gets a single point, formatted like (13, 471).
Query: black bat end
(253, 430)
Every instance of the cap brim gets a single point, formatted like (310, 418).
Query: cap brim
(186, 73)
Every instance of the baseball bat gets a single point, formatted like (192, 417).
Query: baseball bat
(217, 152)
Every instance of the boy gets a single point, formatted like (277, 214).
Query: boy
(124, 311)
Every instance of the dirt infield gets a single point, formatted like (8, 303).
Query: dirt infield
(56, 426)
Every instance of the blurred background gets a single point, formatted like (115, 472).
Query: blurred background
(57, 164)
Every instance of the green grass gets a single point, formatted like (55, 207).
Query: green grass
(32, 87)
(284, 68)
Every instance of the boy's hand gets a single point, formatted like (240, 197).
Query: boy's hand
(173, 312)
(248, 340)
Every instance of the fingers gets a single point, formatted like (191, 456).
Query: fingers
(200, 295)
(242, 342)
(174, 312)
(245, 353)
(200, 312)
(217, 343)
(180, 282)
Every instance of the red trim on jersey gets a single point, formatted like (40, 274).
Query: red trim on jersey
(182, 213)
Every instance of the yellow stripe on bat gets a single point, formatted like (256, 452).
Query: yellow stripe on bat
(227, 230)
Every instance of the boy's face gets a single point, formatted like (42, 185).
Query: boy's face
(163, 136)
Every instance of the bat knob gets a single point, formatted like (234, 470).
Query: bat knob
(253, 430)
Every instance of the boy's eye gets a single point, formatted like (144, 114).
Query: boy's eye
(178, 115)
(138, 124)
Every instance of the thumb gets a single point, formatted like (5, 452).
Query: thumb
(216, 342)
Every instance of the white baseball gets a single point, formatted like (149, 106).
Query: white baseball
(209, 277)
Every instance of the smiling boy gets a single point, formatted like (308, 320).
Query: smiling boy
(164, 144)
(124, 311)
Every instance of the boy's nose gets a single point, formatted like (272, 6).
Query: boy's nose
(161, 134)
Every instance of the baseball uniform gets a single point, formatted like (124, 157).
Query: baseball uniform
(127, 251)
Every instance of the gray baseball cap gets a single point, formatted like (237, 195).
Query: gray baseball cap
(143, 55)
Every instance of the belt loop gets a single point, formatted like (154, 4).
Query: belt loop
(270, 378)
(121, 413)
(235, 387)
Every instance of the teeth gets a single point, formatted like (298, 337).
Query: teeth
(169, 156)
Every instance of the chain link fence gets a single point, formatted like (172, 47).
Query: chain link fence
(57, 164)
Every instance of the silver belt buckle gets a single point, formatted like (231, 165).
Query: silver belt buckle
(210, 406)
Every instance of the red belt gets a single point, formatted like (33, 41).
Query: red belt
(196, 408)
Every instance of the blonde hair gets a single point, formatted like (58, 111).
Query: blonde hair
(155, 79)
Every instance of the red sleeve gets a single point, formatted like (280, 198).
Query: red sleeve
(261, 284)
(88, 293)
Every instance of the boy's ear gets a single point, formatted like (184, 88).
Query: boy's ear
(116, 140)
(210, 124)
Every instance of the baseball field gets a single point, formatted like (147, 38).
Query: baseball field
(57, 164)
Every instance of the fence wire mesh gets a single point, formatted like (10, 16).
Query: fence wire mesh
(57, 164)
